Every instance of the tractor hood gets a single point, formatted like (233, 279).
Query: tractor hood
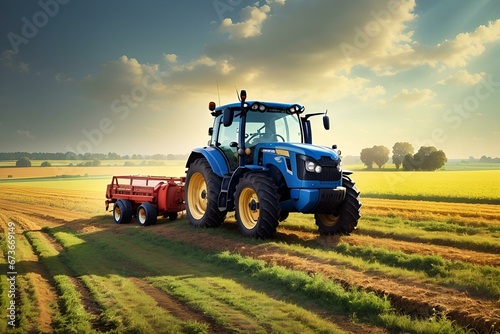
(313, 151)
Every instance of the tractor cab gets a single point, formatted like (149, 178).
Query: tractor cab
(239, 128)
(267, 123)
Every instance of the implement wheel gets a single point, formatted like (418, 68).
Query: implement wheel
(122, 212)
(146, 214)
(201, 195)
(344, 218)
(257, 206)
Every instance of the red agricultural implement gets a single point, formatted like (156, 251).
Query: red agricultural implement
(146, 197)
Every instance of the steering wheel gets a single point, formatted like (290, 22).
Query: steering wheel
(253, 138)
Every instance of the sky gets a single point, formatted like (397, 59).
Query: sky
(136, 77)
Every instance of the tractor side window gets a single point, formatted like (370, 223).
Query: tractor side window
(227, 135)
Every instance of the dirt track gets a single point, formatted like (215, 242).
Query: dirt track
(412, 297)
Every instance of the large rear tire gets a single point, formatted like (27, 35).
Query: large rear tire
(344, 218)
(122, 212)
(147, 214)
(201, 195)
(257, 206)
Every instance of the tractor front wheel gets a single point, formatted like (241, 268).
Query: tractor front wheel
(344, 218)
(201, 195)
(257, 206)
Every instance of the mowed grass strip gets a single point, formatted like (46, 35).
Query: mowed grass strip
(479, 237)
(481, 281)
(242, 310)
(363, 305)
(460, 213)
(295, 285)
(141, 254)
(72, 317)
(483, 239)
(30, 314)
(127, 309)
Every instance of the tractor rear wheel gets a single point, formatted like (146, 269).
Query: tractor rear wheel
(257, 206)
(201, 195)
(344, 218)
(122, 211)
(146, 214)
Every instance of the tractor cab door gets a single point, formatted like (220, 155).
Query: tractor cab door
(226, 139)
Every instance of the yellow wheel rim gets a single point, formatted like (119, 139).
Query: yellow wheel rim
(141, 215)
(197, 196)
(329, 220)
(248, 205)
(118, 213)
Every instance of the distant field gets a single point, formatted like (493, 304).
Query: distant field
(479, 186)
(172, 168)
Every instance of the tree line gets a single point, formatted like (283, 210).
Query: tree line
(88, 156)
(427, 158)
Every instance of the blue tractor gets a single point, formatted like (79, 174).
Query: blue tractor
(260, 162)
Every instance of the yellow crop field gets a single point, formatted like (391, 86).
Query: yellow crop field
(173, 169)
(474, 185)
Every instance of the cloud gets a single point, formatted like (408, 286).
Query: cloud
(8, 60)
(60, 77)
(413, 97)
(171, 58)
(121, 77)
(462, 77)
(26, 134)
(293, 50)
(253, 17)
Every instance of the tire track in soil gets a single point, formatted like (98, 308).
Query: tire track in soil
(412, 297)
(44, 290)
(176, 307)
(408, 247)
(48, 284)
(89, 304)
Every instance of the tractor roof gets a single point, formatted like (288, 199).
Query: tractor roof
(290, 108)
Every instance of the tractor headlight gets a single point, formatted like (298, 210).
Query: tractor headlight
(310, 166)
(313, 167)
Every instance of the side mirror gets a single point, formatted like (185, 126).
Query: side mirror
(210, 131)
(228, 117)
(326, 122)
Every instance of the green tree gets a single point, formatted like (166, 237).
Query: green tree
(435, 160)
(23, 162)
(399, 151)
(380, 155)
(367, 157)
(427, 158)
(46, 164)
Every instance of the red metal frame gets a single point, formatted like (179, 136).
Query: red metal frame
(165, 193)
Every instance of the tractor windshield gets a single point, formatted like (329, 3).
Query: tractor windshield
(272, 127)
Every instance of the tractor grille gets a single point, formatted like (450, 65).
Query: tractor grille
(329, 170)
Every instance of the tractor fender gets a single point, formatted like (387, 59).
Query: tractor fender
(215, 158)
